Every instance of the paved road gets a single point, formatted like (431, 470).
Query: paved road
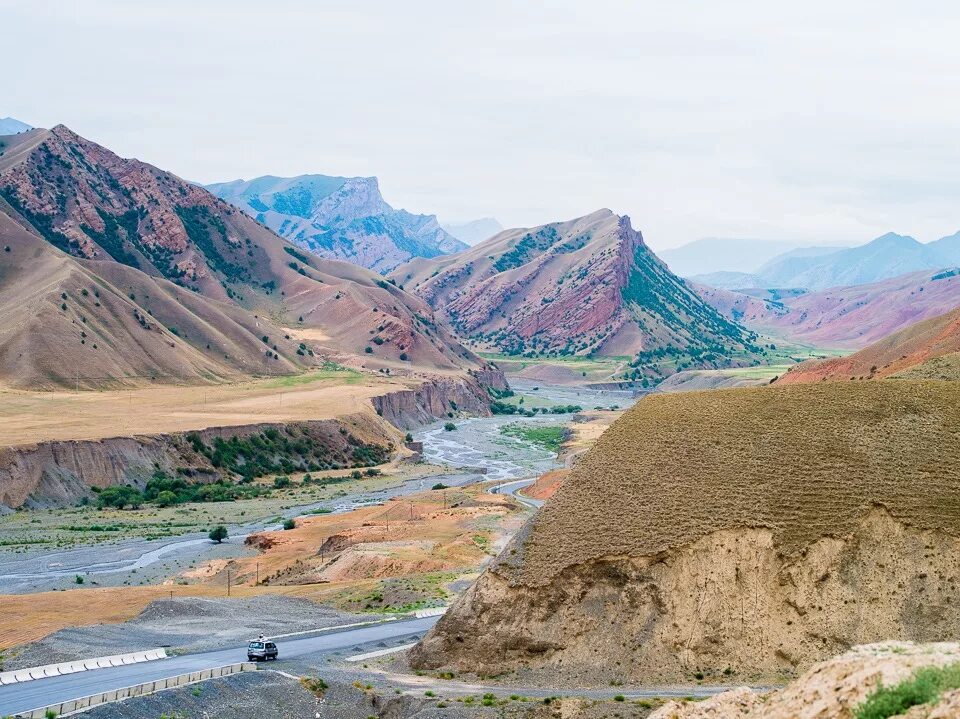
(42, 692)
(513, 488)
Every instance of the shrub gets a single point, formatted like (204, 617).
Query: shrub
(78, 579)
(924, 687)
(281, 482)
(619, 698)
(119, 497)
(218, 533)
(449, 426)
(166, 498)
(290, 524)
(439, 485)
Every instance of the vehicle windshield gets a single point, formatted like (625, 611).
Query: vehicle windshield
(256, 645)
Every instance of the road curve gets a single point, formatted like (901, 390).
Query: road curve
(43, 692)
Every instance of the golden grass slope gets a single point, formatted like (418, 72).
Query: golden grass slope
(806, 462)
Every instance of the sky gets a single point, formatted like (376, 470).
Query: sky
(820, 122)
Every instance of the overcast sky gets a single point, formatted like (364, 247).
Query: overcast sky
(828, 122)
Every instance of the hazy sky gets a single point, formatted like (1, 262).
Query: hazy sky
(824, 121)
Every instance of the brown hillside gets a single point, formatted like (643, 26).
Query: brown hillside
(167, 254)
(588, 286)
(758, 530)
(925, 350)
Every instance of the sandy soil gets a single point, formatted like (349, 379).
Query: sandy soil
(30, 417)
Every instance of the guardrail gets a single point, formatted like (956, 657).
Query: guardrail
(139, 690)
(430, 612)
(17, 676)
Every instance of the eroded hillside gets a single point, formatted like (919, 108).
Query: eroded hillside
(736, 533)
(589, 286)
(141, 276)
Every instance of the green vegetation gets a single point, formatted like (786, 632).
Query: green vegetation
(119, 497)
(286, 450)
(329, 371)
(924, 687)
(449, 427)
(218, 534)
(549, 438)
(289, 524)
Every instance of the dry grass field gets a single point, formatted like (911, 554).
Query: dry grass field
(806, 461)
(30, 417)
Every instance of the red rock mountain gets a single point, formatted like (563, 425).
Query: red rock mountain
(926, 350)
(843, 317)
(589, 286)
(115, 270)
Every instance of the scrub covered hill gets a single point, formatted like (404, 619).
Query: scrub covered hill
(141, 274)
(742, 533)
(588, 287)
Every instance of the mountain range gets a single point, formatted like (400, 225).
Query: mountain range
(588, 286)
(344, 218)
(133, 273)
(820, 268)
(842, 317)
(724, 255)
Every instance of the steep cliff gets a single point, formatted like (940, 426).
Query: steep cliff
(734, 533)
(61, 473)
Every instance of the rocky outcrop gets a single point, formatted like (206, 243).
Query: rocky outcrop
(438, 396)
(836, 688)
(731, 605)
(61, 473)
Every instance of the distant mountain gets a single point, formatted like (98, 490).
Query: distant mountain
(588, 286)
(11, 126)
(926, 350)
(114, 271)
(343, 218)
(723, 255)
(820, 268)
(473, 232)
(842, 317)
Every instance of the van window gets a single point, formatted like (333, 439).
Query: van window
(271, 645)
(256, 645)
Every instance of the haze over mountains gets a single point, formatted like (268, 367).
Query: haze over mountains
(722, 254)
(12, 126)
(475, 231)
(133, 273)
(588, 286)
(344, 218)
(821, 268)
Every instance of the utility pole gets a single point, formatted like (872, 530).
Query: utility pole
(228, 582)
(258, 573)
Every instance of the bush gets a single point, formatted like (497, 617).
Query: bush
(281, 482)
(289, 523)
(78, 579)
(166, 498)
(449, 426)
(218, 533)
(439, 485)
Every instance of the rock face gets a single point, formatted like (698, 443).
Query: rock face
(413, 408)
(835, 688)
(344, 218)
(142, 275)
(61, 473)
(735, 533)
(589, 286)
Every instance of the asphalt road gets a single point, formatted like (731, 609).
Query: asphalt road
(42, 692)
(513, 488)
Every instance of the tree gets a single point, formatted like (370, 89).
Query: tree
(218, 534)
(166, 498)
(449, 426)
(119, 497)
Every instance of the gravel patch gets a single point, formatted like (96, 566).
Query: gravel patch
(188, 624)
